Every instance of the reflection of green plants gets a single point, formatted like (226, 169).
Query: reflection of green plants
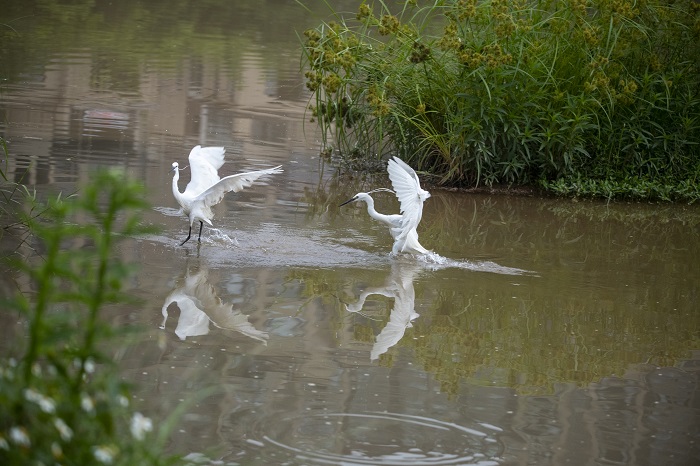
(519, 92)
(13, 197)
(532, 348)
(61, 401)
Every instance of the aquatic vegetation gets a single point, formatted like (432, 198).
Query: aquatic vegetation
(532, 92)
(61, 400)
(14, 195)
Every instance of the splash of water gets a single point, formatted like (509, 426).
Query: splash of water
(435, 261)
(218, 236)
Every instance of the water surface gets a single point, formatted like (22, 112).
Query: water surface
(546, 332)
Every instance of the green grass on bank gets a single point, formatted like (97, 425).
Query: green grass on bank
(594, 98)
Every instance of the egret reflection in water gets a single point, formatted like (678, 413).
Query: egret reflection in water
(200, 306)
(398, 285)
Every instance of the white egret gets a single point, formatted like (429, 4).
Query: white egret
(411, 197)
(205, 188)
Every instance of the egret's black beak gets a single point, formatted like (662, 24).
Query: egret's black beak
(183, 168)
(348, 201)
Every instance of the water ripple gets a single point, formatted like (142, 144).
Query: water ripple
(376, 438)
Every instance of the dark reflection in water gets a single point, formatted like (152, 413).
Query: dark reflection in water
(550, 331)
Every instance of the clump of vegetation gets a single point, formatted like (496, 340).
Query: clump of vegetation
(13, 198)
(526, 92)
(61, 400)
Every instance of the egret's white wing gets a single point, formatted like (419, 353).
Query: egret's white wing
(410, 195)
(234, 183)
(204, 165)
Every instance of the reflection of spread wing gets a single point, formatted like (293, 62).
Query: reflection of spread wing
(390, 335)
(199, 305)
(224, 317)
(399, 285)
(402, 314)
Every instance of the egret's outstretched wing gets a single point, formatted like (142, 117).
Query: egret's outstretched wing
(234, 183)
(407, 187)
(410, 195)
(204, 165)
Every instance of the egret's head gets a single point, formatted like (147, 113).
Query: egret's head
(356, 197)
(366, 196)
(175, 166)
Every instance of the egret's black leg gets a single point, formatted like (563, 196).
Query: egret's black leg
(188, 236)
(201, 224)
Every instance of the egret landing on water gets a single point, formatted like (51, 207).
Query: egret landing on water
(205, 188)
(411, 197)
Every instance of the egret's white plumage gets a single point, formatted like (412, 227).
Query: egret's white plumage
(205, 188)
(411, 197)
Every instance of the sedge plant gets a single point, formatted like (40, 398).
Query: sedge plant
(525, 92)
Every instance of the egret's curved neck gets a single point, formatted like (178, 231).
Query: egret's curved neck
(176, 190)
(371, 210)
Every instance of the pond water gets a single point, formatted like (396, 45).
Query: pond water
(543, 331)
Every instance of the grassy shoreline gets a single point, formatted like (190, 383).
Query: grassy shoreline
(585, 98)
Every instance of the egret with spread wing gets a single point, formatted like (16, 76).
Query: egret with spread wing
(411, 197)
(402, 226)
(205, 188)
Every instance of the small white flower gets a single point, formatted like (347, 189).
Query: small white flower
(9, 373)
(65, 431)
(123, 401)
(56, 450)
(3, 443)
(87, 404)
(36, 370)
(89, 366)
(104, 454)
(46, 404)
(140, 424)
(19, 436)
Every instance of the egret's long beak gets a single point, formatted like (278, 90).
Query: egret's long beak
(183, 168)
(348, 201)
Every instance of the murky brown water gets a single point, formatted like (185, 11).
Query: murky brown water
(553, 332)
